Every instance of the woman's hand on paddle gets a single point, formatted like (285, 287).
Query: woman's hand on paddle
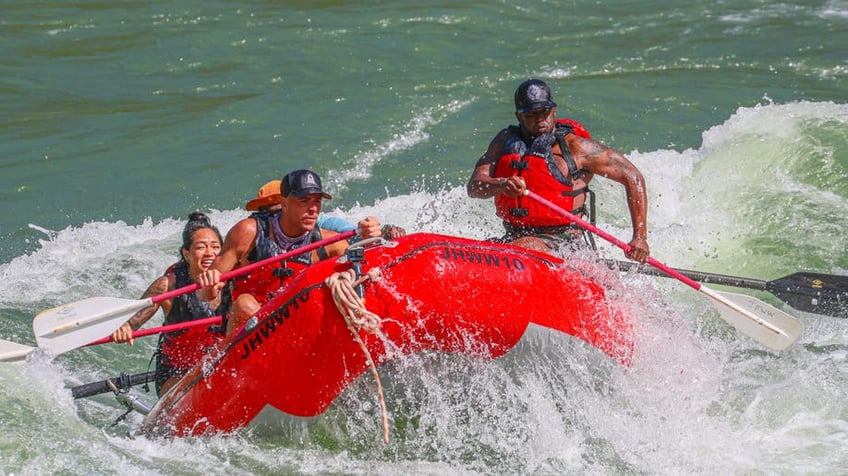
(210, 285)
(639, 250)
(123, 334)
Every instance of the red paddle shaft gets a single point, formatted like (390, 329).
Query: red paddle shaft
(246, 269)
(224, 277)
(208, 321)
(624, 246)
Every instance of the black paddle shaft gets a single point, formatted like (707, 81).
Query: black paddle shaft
(823, 294)
(120, 382)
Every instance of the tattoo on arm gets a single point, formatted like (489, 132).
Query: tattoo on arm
(160, 286)
(595, 150)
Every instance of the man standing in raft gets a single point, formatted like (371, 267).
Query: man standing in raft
(261, 236)
(555, 158)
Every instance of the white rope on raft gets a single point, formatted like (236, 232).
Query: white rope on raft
(343, 288)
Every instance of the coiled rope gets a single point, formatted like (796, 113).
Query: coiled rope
(343, 288)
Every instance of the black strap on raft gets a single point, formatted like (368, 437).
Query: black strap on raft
(356, 255)
(121, 382)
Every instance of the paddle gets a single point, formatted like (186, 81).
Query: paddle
(823, 294)
(763, 322)
(11, 351)
(207, 321)
(73, 325)
(119, 383)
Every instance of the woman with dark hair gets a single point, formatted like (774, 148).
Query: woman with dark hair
(178, 351)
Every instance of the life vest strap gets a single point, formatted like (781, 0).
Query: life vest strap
(574, 193)
(566, 154)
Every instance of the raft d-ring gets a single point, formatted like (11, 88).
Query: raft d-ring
(362, 245)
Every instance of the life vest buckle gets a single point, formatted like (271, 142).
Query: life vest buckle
(519, 212)
(282, 272)
(519, 164)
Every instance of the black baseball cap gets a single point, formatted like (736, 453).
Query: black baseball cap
(301, 183)
(533, 94)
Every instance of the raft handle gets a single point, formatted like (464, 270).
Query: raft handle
(360, 246)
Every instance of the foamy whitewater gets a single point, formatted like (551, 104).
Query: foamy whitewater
(118, 120)
(699, 398)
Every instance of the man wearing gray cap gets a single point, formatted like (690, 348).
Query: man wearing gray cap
(556, 159)
(261, 236)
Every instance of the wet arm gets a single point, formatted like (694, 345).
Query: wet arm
(339, 225)
(160, 286)
(237, 246)
(482, 184)
(609, 163)
(333, 249)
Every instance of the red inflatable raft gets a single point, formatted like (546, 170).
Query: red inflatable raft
(435, 293)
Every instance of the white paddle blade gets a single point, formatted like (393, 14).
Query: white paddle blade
(74, 325)
(12, 351)
(760, 321)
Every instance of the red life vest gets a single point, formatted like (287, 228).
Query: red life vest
(541, 175)
(265, 282)
(182, 349)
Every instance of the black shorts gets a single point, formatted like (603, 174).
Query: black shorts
(556, 237)
(164, 372)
